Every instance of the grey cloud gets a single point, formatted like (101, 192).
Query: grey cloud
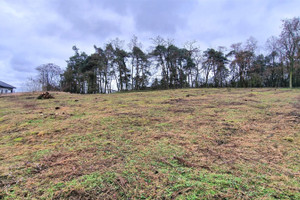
(162, 16)
(80, 29)
(85, 20)
(35, 32)
(50, 29)
(97, 27)
(155, 16)
(21, 64)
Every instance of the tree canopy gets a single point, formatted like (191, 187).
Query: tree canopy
(167, 66)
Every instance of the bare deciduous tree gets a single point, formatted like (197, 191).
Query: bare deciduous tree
(49, 76)
(32, 85)
(289, 41)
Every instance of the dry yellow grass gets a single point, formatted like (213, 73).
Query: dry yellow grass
(184, 144)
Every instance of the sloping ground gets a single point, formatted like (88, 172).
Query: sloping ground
(184, 144)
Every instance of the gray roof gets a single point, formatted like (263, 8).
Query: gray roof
(5, 85)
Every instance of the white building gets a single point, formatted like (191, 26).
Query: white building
(6, 88)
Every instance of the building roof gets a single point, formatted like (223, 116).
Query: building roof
(5, 85)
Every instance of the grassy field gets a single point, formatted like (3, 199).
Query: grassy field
(173, 144)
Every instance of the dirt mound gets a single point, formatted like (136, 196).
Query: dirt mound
(45, 95)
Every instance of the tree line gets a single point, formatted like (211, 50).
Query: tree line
(167, 66)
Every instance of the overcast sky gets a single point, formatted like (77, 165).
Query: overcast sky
(34, 32)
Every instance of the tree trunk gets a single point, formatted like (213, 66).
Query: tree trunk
(132, 74)
(206, 78)
(291, 78)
